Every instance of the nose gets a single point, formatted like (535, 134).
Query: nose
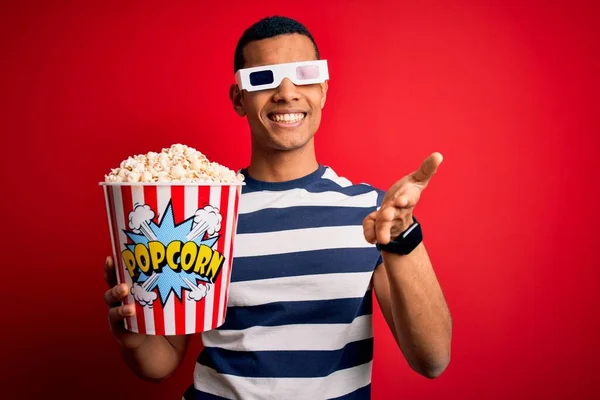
(286, 92)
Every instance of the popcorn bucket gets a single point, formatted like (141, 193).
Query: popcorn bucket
(172, 243)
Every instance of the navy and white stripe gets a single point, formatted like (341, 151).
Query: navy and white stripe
(299, 316)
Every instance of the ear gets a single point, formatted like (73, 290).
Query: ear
(237, 100)
(324, 87)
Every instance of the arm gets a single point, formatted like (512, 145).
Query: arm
(152, 358)
(157, 357)
(406, 287)
(414, 308)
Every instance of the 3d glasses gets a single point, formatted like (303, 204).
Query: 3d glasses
(270, 76)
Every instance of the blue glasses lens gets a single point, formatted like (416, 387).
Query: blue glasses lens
(261, 78)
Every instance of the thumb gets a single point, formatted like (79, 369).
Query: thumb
(428, 168)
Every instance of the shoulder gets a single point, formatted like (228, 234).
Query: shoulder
(330, 180)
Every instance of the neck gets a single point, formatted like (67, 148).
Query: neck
(281, 166)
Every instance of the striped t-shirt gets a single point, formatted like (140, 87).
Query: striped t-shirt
(299, 317)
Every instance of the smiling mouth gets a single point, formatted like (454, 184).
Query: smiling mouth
(289, 119)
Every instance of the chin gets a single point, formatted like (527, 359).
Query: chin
(283, 139)
(290, 143)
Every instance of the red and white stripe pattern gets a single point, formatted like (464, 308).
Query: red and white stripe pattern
(185, 316)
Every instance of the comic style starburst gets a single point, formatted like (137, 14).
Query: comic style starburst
(166, 231)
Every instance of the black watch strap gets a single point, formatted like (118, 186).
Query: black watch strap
(406, 242)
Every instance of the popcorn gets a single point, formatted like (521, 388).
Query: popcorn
(179, 163)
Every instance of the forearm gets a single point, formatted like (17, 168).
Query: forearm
(154, 360)
(421, 317)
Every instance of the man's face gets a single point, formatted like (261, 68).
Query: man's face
(287, 117)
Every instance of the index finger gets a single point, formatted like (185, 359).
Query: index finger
(428, 168)
(109, 272)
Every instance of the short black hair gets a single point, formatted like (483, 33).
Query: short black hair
(267, 28)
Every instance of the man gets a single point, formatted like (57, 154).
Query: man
(310, 249)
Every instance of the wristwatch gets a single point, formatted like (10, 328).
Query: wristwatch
(406, 242)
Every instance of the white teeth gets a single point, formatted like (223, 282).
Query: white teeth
(288, 118)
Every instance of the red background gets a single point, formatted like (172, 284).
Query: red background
(508, 93)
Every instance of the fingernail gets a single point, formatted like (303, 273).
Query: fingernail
(120, 289)
(128, 309)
